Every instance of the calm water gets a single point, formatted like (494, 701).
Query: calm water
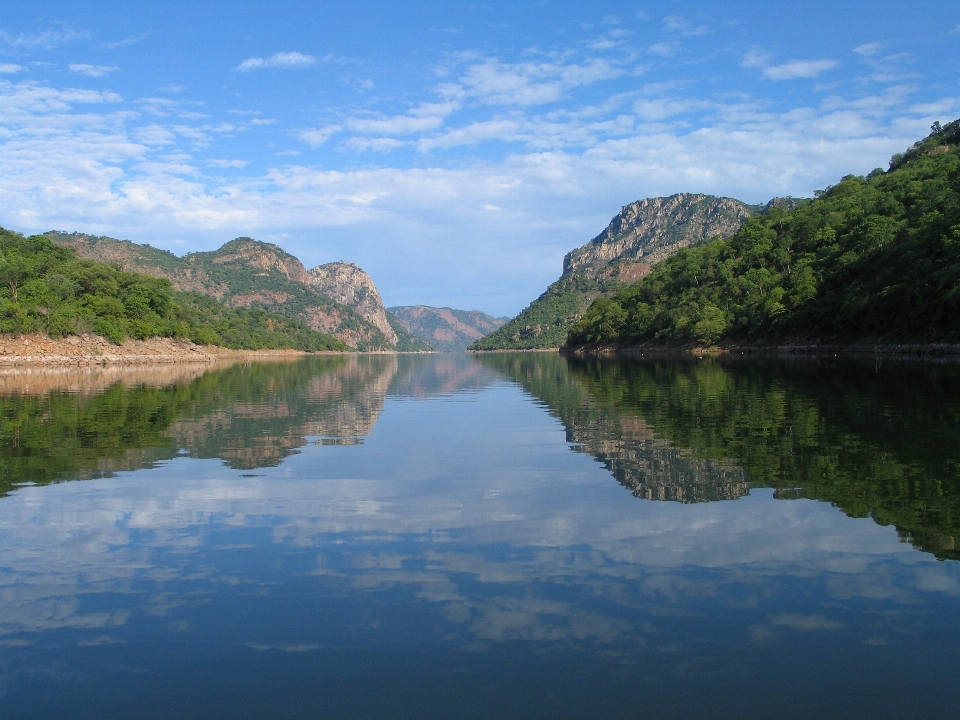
(497, 537)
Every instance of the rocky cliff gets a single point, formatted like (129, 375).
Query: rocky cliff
(446, 329)
(246, 272)
(642, 234)
(647, 231)
(349, 285)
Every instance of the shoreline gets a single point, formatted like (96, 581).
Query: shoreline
(904, 349)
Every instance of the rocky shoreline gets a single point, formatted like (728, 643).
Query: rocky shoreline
(94, 351)
(911, 349)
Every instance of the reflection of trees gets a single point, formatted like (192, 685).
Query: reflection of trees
(74, 424)
(250, 415)
(876, 441)
(626, 445)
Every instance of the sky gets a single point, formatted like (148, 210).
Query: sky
(455, 151)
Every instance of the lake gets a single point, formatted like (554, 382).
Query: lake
(505, 536)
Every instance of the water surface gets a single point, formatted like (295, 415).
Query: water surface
(504, 536)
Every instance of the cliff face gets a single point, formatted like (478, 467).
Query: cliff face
(446, 329)
(246, 272)
(349, 285)
(642, 234)
(650, 230)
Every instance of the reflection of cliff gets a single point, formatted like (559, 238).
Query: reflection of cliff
(273, 408)
(61, 425)
(876, 441)
(626, 445)
(650, 468)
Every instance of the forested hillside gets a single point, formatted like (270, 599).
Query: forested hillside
(871, 259)
(642, 234)
(243, 273)
(48, 289)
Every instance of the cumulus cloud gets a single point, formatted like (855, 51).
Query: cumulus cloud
(279, 60)
(315, 137)
(220, 163)
(664, 49)
(10, 68)
(92, 70)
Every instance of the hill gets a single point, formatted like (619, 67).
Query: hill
(641, 235)
(872, 259)
(246, 273)
(48, 289)
(446, 329)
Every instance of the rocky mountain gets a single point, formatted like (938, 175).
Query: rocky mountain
(642, 234)
(446, 329)
(348, 285)
(338, 299)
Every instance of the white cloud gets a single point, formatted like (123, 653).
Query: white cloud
(680, 25)
(397, 125)
(664, 49)
(10, 68)
(868, 49)
(45, 39)
(220, 163)
(379, 144)
(92, 70)
(280, 60)
(493, 82)
(318, 136)
(798, 69)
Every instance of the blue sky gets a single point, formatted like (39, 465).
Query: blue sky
(454, 151)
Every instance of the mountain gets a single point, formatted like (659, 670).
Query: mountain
(871, 260)
(245, 272)
(348, 285)
(641, 235)
(446, 329)
(46, 288)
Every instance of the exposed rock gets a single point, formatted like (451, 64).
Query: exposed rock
(349, 285)
(241, 273)
(655, 228)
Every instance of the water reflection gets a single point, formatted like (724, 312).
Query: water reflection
(459, 560)
(875, 439)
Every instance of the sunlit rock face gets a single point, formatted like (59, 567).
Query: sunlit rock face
(349, 285)
(650, 230)
(342, 302)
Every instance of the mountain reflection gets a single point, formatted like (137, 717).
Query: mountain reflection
(57, 425)
(875, 440)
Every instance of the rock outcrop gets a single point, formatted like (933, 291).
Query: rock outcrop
(653, 229)
(246, 272)
(642, 234)
(349, 285)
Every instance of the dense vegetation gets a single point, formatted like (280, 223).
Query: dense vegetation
(546, 322)
(873, 258)
(242, 271)
(406, 340)
(48, 289)
(248, 415)
(819, 430)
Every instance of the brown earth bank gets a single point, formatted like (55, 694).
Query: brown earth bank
(826, 348)
(92, 350)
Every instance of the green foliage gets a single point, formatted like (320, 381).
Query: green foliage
(547, 320)
(406, 340)
(870, 259)
(47, 289)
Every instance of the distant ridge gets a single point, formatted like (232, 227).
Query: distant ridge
(446, 329)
